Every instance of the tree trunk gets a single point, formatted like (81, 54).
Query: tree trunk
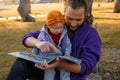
(89, 17)
(24, 9)
(117, 6)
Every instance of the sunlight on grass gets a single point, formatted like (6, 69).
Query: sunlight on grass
(106, 15)
(35, 9)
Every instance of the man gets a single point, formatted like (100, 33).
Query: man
(86, 45)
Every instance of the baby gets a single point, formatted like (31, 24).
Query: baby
(55, 32)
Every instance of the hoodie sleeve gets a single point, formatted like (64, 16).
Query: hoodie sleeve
(31, 34)
(91, 53)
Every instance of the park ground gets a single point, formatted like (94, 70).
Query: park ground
(106, 23)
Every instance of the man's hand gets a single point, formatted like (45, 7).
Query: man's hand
(46, 47)
(43, 46)
(46, 66)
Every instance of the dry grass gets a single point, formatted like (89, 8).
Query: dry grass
(10, 41)
(106, 23)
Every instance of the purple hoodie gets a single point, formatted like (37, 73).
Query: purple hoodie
(86, 45)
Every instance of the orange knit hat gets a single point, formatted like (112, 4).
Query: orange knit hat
(54, 17)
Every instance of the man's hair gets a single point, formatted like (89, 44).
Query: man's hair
(76, 4)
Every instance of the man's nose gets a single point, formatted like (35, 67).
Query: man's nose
(73, 23)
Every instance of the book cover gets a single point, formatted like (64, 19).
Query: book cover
(34, 58)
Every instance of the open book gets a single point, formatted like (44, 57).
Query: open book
(34, 58)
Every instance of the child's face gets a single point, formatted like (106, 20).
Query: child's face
(57, 29)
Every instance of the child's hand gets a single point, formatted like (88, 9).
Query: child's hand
(67, 54)
(43, 66)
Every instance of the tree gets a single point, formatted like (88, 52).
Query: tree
(117, 6)
(24, 9)
(89, 16)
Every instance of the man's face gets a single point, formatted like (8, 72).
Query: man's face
(74, 17)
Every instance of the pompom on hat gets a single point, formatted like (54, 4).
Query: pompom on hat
(54, 17)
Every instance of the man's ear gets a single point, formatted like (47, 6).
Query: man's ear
(86, 13)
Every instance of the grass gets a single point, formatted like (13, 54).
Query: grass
(11, 35)
(35, 9)
(105, 22)
(109, 33)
